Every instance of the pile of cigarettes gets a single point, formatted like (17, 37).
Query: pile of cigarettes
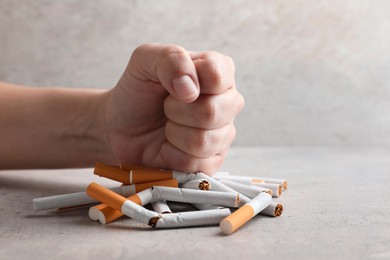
(223, 199)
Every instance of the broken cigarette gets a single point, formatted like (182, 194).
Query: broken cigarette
(120, 203)
(191, 218)
(227, 199)
(274, 209)
(238, 218)
(106, 214)
(249, 191)
(81, 198)
(276, 188)
(218, 186)
(201, 184)
(161, 206)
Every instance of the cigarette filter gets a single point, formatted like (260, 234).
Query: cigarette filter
(161, 207)
(140, 175)
(132, 176)
(274, 187)
(238, 218)
(218, 186)
(196, 196)
(201, 184)
(116, 201)
(191, 218)
(249, 191)
(274, 209)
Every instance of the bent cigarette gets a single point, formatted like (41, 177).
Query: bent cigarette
(282, 182)
(218, 186)
(134, 176)
(249, 191)
(227, 199)
(120, 203)
(274, 209)
(161, 207)
(245, 213)
(81, 198)
(201, 184)
(276, 188)
(191, 218)
(247, 180)
(106, 214)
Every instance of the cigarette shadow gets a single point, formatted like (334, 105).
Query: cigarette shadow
(43, 185)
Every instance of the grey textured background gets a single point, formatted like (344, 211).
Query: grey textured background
(312, 72)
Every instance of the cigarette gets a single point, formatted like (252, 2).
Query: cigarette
(247, 180)
(282, 182)
(106, 214)
(191, 218)
(249, 191)
(81, 198)
(227, 199)
(116, 201)
(238, 218)
(274, 209)
(218, 186)
(161, 207)
(66, 200)
(274, 187)
(201, 184)
(134, 176)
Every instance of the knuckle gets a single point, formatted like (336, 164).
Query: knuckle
(213, 73)
(200, 143)
(208, 113)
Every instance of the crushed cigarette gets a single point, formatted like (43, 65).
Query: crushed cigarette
(212, 196)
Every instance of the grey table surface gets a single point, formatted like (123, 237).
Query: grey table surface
(337, 206)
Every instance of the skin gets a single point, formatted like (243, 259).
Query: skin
(171, 109)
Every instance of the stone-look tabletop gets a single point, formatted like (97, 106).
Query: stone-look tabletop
(337, 207)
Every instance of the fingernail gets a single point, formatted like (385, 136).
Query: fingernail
(184, 87)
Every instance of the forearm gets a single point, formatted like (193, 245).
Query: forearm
(51, 127)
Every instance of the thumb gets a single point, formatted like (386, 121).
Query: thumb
(171, 65)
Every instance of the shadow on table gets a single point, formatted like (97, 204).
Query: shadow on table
(44, 186)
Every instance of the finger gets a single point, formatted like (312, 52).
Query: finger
(176, 159)
(198, 142)
(207, 112)
(215, 73)
(169, 64)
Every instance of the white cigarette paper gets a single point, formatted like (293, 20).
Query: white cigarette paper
(161, 207)
(249, 191)
(192, 218)
(227, 199)
(201, 184)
